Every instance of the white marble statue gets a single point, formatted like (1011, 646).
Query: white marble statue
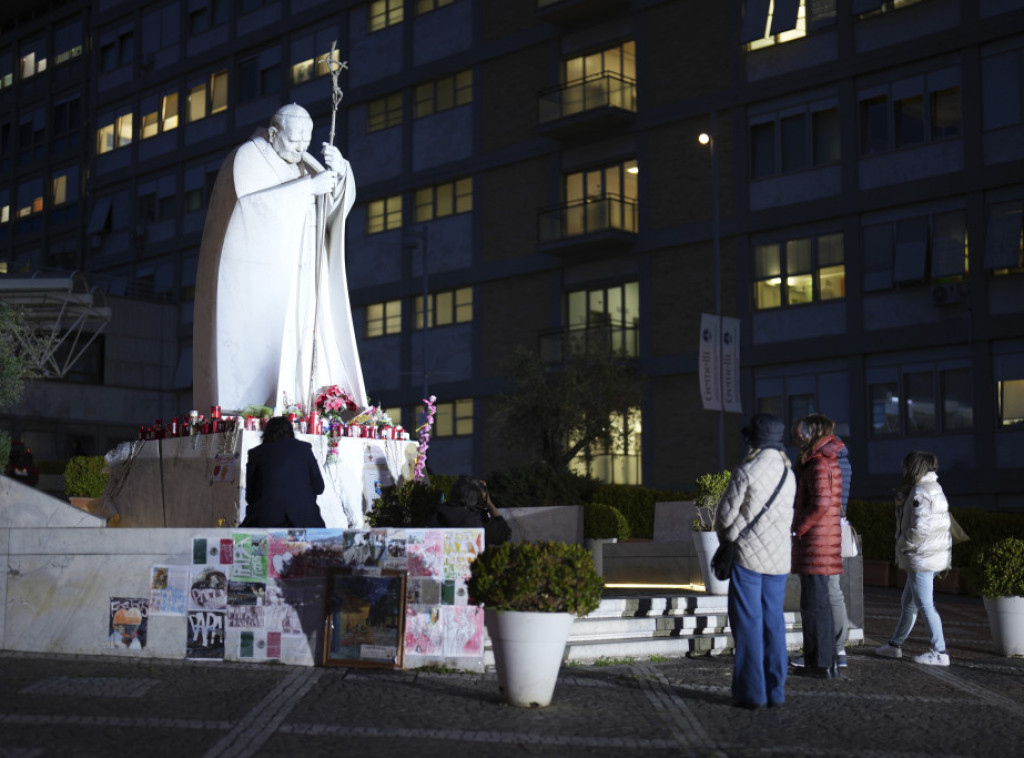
(272, 273)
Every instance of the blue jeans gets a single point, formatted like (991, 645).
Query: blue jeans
(816, 620)
(917, 596)
(759, 636)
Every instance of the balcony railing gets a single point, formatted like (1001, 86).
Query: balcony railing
(606, 216)
(595, 93)
(618, 338)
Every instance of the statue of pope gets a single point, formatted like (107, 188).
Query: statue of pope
(272, 323)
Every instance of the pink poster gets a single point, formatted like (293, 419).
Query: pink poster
(424, 630)
(424, 551)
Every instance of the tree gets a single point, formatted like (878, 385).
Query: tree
(554, 411)
(16, 366)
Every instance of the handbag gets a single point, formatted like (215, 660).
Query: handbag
(725, 555)
(849, 545)
(957, 532)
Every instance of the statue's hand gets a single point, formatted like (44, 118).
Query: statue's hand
(333, 159)
(324, 182)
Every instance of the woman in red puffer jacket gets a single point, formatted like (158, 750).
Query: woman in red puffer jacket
(817, 542)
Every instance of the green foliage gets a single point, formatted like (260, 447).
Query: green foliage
(84, 476)
(16, 365)
(604, 522)
(410, 504)
(876, 524)
(606, 661)
(554, 411)
(710, 488)
(1001, 569)
(553, 577)
(637, 504)
(539, 485)
(5, 449)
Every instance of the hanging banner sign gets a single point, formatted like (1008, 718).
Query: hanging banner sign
(709, 362)
(730, 352)
(719, 363)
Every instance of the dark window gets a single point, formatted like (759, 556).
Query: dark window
(762, 145)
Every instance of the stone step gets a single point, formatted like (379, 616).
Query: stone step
(640, 626)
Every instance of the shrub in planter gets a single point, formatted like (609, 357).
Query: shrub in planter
(1000, 569)
(710, 488)
(548, 577)
(84, 476)
(602, 522)
(410, 504)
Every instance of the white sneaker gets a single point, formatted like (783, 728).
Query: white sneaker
(931, 658)
(889, 651)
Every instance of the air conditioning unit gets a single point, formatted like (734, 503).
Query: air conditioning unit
(948, 294)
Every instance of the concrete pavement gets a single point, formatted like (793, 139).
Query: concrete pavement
(93, 706)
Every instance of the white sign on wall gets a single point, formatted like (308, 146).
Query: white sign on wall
(719, 363)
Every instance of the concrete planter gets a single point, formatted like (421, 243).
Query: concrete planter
(879, 573)
(1006, 620)
(706, 544)
(528, 650)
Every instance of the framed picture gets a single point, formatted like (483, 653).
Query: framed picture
(365, 620)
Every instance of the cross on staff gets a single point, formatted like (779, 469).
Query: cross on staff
(334, 67)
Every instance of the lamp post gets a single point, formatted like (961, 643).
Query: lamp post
(413, 238)
(709, 138)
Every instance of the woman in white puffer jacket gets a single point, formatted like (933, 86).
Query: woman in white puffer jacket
(924, 547)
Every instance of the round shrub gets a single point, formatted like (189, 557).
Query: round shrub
(603, 522)
(1000, 569)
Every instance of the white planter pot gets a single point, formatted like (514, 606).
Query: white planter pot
(706, 544)
(596, 548)
(1006, 619)
(528, 650)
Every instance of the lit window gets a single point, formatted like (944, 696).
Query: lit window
(67, 42)
(219, 92)
(442, 94)
(602, 79)
(444, 200)
(1010, 394)
(302, 71)
(384, 112)
(169, 111)
(385, 13)
(60, 189)
(599, 199)
(384, 318)
(384, 215)
(799, 271)
(606, 317)
(425, 6)
(197, 103)
(615, 459)
(453, 419)
(105, 139)
(767, 24)
(123, 129)
(445, 308)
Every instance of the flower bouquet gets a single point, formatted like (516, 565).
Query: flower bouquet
(335, 407)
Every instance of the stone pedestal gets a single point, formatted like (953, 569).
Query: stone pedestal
(200, 481)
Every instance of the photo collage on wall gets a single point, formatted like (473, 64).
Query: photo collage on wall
(262, 596)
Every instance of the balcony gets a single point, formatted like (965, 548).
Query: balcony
(572, 11)
(601, 102)
(595, 226)
(616, 338)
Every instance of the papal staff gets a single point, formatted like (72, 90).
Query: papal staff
(334, 67)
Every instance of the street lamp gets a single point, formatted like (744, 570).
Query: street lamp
(417, 237)
(708, 138)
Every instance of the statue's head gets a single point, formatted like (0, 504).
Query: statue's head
(290, 131)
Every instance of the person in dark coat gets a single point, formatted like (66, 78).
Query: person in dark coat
(282, 480)
(469, 505)
(817, 544)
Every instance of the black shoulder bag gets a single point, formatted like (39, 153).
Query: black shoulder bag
(725, 556)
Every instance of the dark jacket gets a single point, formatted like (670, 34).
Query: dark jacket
(819, 493)
(496, 530)
(282, 480)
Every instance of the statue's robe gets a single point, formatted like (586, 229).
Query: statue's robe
(256, 303)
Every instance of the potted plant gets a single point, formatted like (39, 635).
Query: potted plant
(85, 481)
(531, 592)
(1000, 576)
(709, 491)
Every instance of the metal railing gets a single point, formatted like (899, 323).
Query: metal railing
(580, 217)
(604, 90)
